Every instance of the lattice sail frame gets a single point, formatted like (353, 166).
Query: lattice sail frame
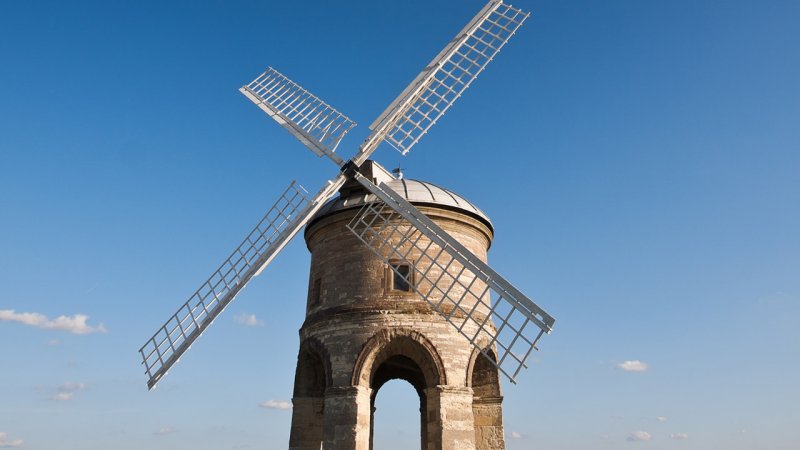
(478, 302)
(166, 346)
(319, 126)
(450, 73)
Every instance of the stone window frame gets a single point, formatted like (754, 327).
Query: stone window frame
(390, 277)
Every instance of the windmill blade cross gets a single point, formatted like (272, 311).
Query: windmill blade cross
(456, 283)
(320, 128)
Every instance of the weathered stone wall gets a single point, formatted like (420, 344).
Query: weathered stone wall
(364, 333)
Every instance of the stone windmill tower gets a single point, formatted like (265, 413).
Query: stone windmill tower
(365, 325)
(399, 285)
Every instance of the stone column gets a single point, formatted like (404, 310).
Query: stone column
(488, 413)
(450, 420)
(306, 431)
(347, 418)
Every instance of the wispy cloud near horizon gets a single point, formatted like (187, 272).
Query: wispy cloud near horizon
(66, 391)
(276, 404)
(249, 320)
(634, 366)
(163, 431)
(73, 324)
(639, 436)
(5, 442)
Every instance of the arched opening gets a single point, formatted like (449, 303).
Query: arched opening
(401, 354)
(486, 402)
(308, 400)
(396, 417)
(399, 367)
(310, 375)
(485, 381)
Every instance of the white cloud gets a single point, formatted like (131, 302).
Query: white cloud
(679, 436)
(53, 342)
(516, 435)
(66, 391)
(249, 320)
(639, 436)
(633, 366)
(75, 324)
(71, 387)
(164, 430)
(62, 396)
(661, 419)
(5, 442)
(276, 404)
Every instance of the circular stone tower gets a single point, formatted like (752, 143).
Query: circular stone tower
(365, 326)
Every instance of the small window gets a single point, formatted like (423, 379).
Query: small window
(314, 294)
(401, 277)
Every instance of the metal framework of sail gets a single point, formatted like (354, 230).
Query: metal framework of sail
(315, 123)
(500, 323)
(450, 73)
(164, 348)
(488, 310)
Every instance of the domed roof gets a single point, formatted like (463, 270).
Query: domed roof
(416, 192)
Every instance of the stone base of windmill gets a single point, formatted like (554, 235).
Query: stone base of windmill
(365, 327)
(459, 390)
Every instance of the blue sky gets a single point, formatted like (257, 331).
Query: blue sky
(639, 159)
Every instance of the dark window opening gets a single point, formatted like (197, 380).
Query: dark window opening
(314, 295)
(401, 277)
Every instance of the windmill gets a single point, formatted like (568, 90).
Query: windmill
(513, 325)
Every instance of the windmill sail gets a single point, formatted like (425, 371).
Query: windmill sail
(289, 214)
(485, 308)
(443, 81)
(482, 305)
(313, 122)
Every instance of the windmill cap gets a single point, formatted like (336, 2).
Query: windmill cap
(416, 192)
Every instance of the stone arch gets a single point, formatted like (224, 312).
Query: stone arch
(313, 374)
(312, 379)
(487, 400)
(481, 369)
(402, 342)
(401, 353)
